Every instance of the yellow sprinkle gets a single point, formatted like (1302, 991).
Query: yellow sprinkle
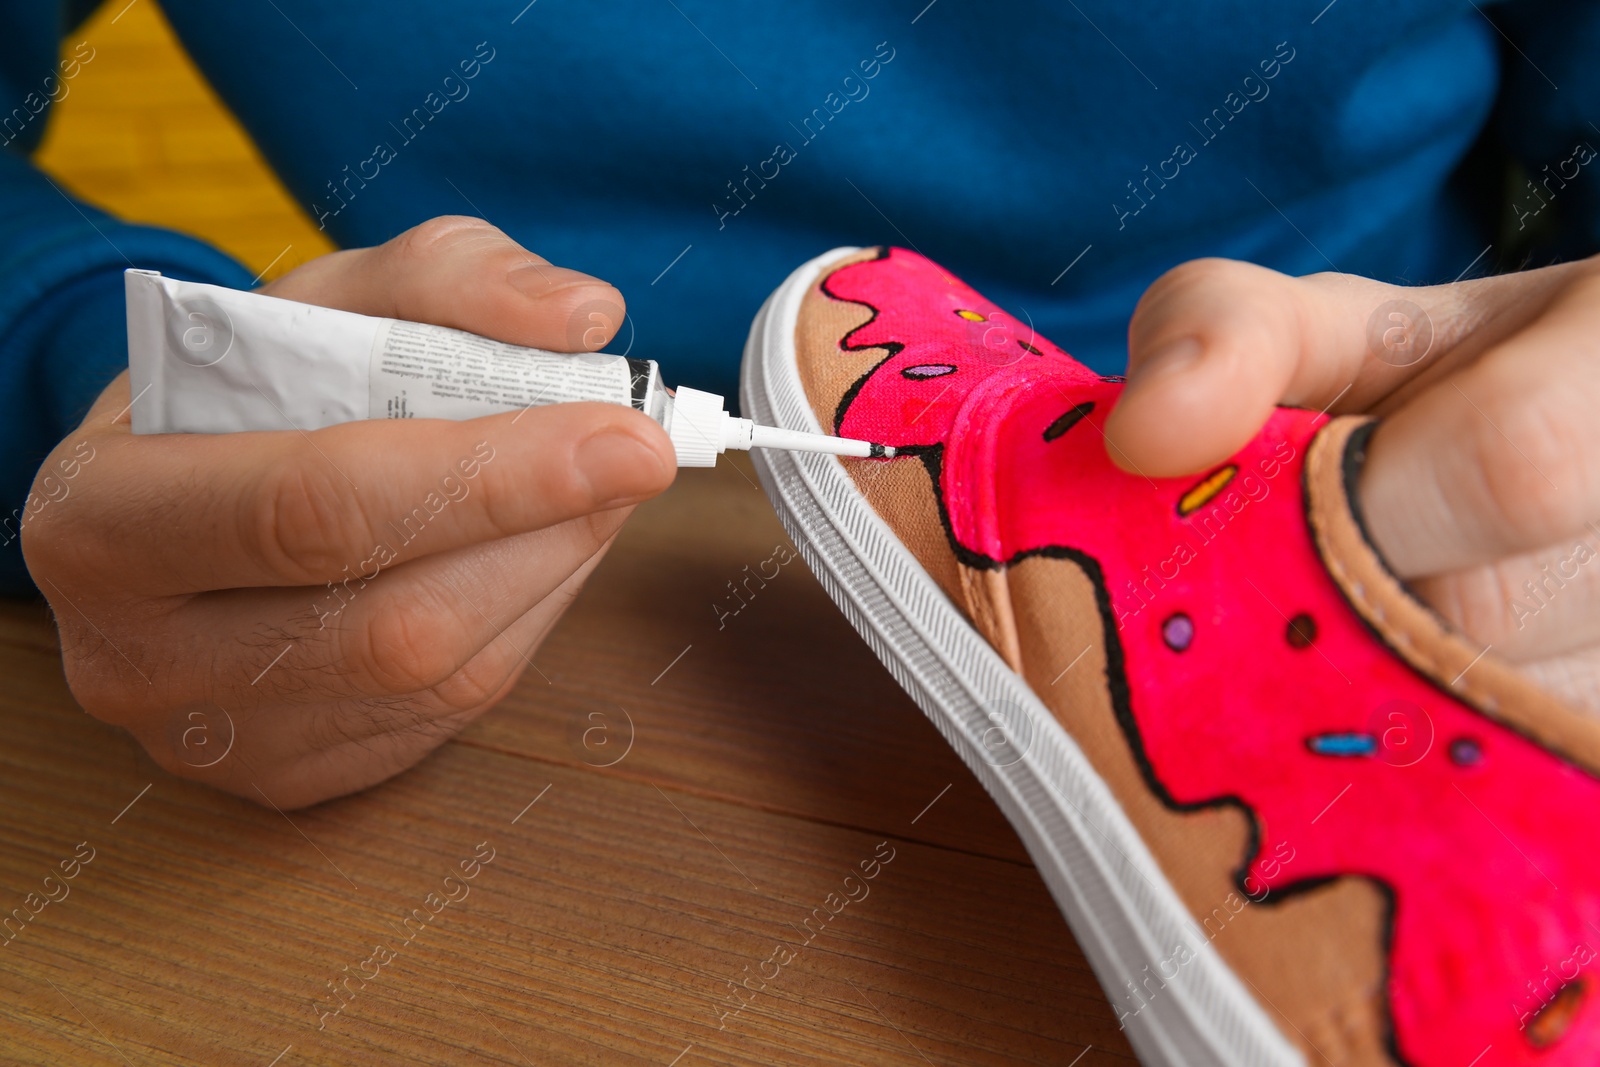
(1202, 494)
(971, 316)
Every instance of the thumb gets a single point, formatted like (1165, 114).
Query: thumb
(1215, 345)
(466, 274)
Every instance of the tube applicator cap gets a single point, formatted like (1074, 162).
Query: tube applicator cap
(701, 430)
(698, 427)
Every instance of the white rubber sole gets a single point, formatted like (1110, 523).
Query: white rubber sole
(1123, 911)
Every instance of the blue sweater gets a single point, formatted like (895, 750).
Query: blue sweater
(692, 152)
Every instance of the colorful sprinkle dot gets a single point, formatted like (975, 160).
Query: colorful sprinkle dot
(1552, 1021)
(1178, 631)
(1206, 490)
(1302, 631)
(1343, 744)
(923, 371)
(1465, 752)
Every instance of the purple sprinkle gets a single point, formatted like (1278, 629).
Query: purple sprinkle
(924, 371)
(1465, 752)
(1178, 631)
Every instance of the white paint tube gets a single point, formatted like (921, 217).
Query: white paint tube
(206, 359)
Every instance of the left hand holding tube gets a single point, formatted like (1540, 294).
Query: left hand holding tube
(293, 616)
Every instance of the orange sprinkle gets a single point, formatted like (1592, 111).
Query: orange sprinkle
(1209, 487)
(1552, 1021)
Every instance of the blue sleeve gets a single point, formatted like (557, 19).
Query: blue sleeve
(62, 332)
(1547, 118)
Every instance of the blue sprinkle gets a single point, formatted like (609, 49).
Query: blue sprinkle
(1343, 744)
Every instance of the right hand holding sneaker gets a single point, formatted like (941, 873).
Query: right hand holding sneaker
(1480, 487)
(1293, 816)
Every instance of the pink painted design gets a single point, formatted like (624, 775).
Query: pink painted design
(1351, 763)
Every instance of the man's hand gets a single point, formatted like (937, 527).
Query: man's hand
(1483, 477)
(292, 616)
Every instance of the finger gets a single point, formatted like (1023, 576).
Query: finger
(1530, 607)
(464, 273)
(1215, 345)
(181, 513)
(1499, 458)
(328, 750)
(417, 629)
(502, 661)
(408, 630)
(1572, 677)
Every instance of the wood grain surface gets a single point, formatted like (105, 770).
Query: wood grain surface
(659, 892)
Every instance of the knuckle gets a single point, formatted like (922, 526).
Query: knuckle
(302, 522)
(359, 723)
(501, 505)
(1524, 457)
(477, 685)
(505, 507)
(44, 553)
(42, 527)
(350, 745)
(165, 754)
(436, 235)
(1205, 269)
(1476, 601)
(432, 267)
(596, 529)
(109, 694)
(406, 647)
(1213, 292)
(117, 663)
(1204, 274)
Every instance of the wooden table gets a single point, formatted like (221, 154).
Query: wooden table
(650, 887)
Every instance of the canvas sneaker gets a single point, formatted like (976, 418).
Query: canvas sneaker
(1290, 815)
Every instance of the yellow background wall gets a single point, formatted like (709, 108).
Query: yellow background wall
(142, 135)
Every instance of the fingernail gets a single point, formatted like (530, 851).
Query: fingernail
(1168, 359)
(537, 280)
(619, 468)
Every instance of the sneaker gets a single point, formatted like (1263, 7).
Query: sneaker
(1288, 814)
